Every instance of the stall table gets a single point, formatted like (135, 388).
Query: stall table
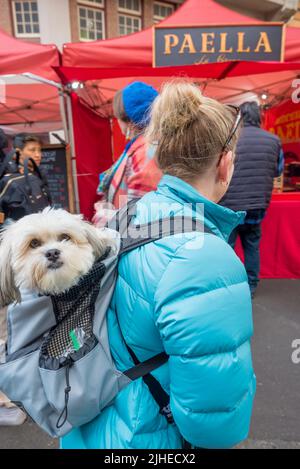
(280, 243)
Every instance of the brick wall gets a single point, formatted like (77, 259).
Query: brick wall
(6, 23)
(74, 20)
(111, 17)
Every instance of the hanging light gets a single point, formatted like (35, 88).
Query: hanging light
(75, 85)
(264, 96)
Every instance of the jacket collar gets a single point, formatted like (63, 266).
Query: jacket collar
(219, 219)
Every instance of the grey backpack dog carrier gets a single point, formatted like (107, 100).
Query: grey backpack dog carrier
(58, 366)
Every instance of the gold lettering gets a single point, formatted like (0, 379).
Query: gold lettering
(222, 58)
(206, 42)
(280, 133)
(203, 60)
(297, 130)
(187, 44)
(290, 131)
(241, 37)
(171, 40)
(263, 42)
(223, 44)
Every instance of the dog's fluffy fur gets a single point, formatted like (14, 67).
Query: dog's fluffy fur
(24, 253)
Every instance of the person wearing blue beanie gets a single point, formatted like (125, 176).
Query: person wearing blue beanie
(137, 100)
(136, 171)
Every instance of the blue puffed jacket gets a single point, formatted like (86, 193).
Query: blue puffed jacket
(188, 295)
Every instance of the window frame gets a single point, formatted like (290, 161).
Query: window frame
(133, 17)
(131, 12)
(157, 19)
(92, 4)
(101, 10)
(15, 22)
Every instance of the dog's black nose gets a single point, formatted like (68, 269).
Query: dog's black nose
(53, 254)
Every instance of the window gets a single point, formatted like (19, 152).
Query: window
(130, 6)
(91, 23)
(131, 21)
(161, 10)
(129, 24)
(26, 19)
(92, 3)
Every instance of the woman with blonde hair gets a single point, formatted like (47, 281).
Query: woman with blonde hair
(184, 294)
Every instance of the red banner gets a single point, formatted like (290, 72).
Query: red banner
(284, 121)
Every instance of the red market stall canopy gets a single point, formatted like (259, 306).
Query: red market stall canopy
(26, 104)
(18, 57)
(107, 65)
(132, 55)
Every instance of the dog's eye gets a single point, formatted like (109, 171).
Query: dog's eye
(35, 243)
(64, 237)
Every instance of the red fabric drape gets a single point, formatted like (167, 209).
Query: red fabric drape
(93, 151)
(279, 247)
(284, 121)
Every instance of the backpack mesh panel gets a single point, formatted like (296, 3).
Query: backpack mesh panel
(74, 309)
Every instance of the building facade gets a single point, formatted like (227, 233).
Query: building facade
(59, 21)
(265, 10)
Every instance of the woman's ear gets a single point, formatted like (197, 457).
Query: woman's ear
(226, 167)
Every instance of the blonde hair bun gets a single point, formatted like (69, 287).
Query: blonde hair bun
(189, 129)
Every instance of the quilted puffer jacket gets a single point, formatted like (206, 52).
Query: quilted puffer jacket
(188, 295)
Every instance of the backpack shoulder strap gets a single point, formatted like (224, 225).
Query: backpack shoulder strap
(134, 236)
(139, 235)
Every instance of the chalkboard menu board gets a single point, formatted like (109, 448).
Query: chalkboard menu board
(56, 167)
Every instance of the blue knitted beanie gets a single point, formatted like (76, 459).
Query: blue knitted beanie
(137, 100)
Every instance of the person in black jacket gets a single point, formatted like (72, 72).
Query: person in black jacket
(23, 186)
(259, 159)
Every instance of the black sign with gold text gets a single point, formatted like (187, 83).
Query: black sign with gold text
(207, 44)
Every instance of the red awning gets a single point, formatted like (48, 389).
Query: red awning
(134, 51)
(216, 71)
(107, 65)
(19, 57)
(23, 101)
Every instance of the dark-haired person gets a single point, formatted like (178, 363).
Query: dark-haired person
(28, 152)
(135, 172)
(259, 160)
(28, 146)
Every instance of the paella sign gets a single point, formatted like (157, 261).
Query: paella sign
(208, 44)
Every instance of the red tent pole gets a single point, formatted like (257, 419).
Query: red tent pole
(73, 153)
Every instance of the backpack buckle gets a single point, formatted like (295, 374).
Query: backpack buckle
(166, 412)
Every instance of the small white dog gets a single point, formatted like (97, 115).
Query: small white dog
(47, 252)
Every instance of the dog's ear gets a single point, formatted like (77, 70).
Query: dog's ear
(9, 293)
(97, 239)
